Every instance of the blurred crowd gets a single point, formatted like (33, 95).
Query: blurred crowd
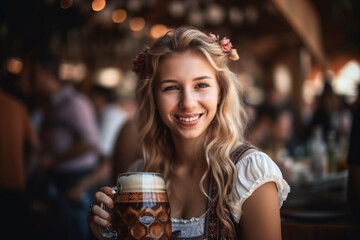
(60, 144)
(57, 148)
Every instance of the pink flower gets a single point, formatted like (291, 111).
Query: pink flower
(233, 55)
(213, 37)
(225, 44)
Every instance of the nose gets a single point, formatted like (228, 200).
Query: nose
(187, 100)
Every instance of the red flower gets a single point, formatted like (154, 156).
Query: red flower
(138, 62)
(225, 44)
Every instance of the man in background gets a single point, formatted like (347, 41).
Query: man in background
(69, 137)
(18, 144)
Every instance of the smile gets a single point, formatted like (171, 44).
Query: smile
(189, 119)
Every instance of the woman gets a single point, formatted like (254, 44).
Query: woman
(191, 124)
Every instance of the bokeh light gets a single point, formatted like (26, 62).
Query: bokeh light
(137, 24)
(98, 5)
(119, 16)
(74, 72)
(65, 4)
(109, 77)
(14, 65)
(158, 30)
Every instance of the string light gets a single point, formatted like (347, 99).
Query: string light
(65, 4)
(158, 30)
(98, 5)
(119, 16)
(137, 24)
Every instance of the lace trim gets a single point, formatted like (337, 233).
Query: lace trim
(191, 220)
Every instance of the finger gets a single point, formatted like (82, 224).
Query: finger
(101, 197)
(108, 190)
(100, 212)
(101, 221)
(94, 226)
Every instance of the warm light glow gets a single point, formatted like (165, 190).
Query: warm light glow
(109, 77)
(177, 8)
(158, 30)
(347, 78)
(119, 16)
(98, 5)
(254, 95)
(313, 87)
(236, 17)
(137, 24)
(196, 18)
(14, 65)
(64, 4)
(134, 5)
(282, 79)
(74, 72)
(308, 92)
(215, 14)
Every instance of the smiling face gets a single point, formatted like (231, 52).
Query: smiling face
(187, 94)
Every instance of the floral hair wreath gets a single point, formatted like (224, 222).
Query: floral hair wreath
(226, 46)
(138, 61)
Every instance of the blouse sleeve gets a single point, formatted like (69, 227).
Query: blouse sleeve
(254, 170)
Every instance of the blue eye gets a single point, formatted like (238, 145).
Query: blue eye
(202, 85)
(169, 88)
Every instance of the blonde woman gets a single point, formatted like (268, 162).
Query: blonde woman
(191, 123)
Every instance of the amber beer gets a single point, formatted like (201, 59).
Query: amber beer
(141, 209)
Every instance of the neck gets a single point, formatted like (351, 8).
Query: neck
(190, 155)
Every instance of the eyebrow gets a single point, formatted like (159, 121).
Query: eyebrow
(195, 79)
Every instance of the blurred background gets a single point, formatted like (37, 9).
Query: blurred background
(299, 66)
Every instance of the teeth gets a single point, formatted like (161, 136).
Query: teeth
(191, 119)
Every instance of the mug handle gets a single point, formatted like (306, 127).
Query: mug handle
(105, 231)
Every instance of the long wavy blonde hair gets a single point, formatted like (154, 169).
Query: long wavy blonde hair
(224, 134)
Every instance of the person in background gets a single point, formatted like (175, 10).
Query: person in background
(191, 128)
(118, 141)
(272, 129)
(126, 150)
(272, 133)
(19, 144)
(111, 117)
(353, 161)
(69, 137)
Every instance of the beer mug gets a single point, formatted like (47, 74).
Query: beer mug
(141, 208)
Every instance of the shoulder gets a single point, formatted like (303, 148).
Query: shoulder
(257, 162)
(254, 170)
(78, 102)
(10, 101)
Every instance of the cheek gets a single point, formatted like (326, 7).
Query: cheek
(212, 100)
(164, 105)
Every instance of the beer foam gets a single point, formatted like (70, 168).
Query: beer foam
(140, 182)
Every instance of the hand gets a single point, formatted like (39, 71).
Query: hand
(98, 216)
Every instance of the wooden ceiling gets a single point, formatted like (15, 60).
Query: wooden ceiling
(28, 24)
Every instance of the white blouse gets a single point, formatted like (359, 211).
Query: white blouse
(254, 170)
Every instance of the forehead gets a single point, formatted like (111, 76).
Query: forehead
(189, 63)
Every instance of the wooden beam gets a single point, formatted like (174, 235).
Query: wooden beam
(302, 16)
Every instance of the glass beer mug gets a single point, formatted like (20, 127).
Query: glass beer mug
(141, 208)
